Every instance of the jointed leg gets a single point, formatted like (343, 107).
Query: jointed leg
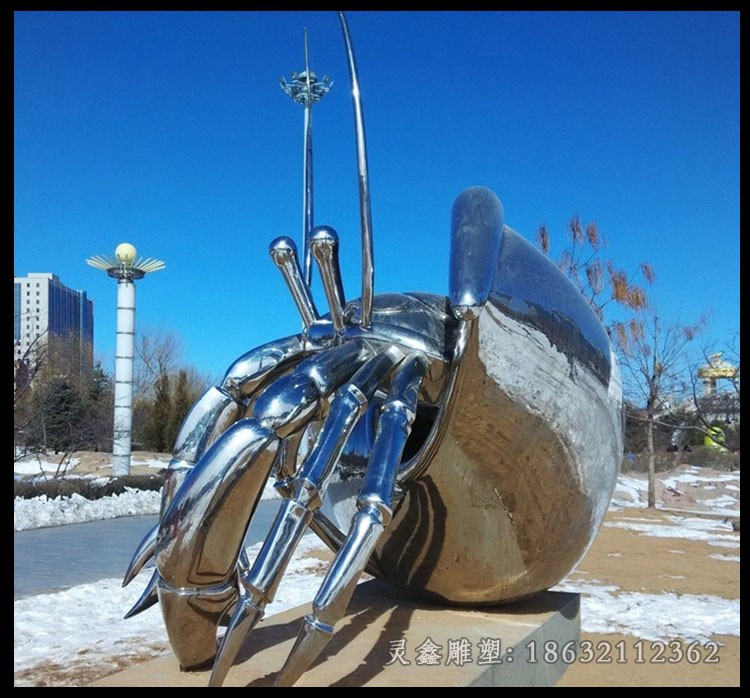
(375, 505)
(201, 533)
(308, 489)
(217, 409)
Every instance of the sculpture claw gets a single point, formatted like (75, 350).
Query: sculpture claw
(143, 553)
(245, 617)
(295, 514)
(148, 598)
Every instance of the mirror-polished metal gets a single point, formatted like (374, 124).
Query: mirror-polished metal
(465, 447)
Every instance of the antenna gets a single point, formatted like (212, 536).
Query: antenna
(365, 217)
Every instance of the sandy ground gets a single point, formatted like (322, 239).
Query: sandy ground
(635, 562)
(632, 562)
(640, 563)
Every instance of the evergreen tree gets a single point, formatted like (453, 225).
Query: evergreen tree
(155, 430)
(58, 417)
(98, 398)
(181, 404)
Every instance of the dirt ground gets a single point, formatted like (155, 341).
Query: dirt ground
(648, 564)
(636, 562)
(633, 562)
(97, 463)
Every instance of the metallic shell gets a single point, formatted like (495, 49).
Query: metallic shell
(511, 486)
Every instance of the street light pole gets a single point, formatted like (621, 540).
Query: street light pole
(306, 89)
(126, 267)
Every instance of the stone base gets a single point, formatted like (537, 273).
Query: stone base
(471, 647)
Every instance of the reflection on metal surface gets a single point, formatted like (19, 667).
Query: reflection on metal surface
(464, 447)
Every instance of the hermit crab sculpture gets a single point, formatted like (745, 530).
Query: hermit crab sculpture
(463, 447)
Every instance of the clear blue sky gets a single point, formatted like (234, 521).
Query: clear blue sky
(169, 130)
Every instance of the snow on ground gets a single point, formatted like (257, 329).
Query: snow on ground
(59, 628)
(39, 512)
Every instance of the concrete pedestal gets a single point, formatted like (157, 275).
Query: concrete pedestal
(389, 639)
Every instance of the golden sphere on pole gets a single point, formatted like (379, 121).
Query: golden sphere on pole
(126, 253)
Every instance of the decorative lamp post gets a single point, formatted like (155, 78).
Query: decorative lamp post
(306, 89)
(126, 267)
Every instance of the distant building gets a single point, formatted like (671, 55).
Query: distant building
(49, 317)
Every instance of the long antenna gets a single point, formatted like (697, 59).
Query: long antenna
(307, 203)
(368, 269)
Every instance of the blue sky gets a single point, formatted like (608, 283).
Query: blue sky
(170, 130)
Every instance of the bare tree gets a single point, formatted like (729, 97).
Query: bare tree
(47, 359)
(655, 359)
(26, 368)
(164, 389)
(598, 278)
(69, 415)
(158, 351)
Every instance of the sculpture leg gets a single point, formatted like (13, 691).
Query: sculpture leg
(216, 410)
(308, 488)
(375, 510)
(201, 533)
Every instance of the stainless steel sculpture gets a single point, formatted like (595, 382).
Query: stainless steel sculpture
(464, 447)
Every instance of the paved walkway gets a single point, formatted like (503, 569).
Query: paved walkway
(60, 557)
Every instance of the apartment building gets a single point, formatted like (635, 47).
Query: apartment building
(47, 315)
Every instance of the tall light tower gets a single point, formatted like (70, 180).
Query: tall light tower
(126, 267)
(306, 89)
